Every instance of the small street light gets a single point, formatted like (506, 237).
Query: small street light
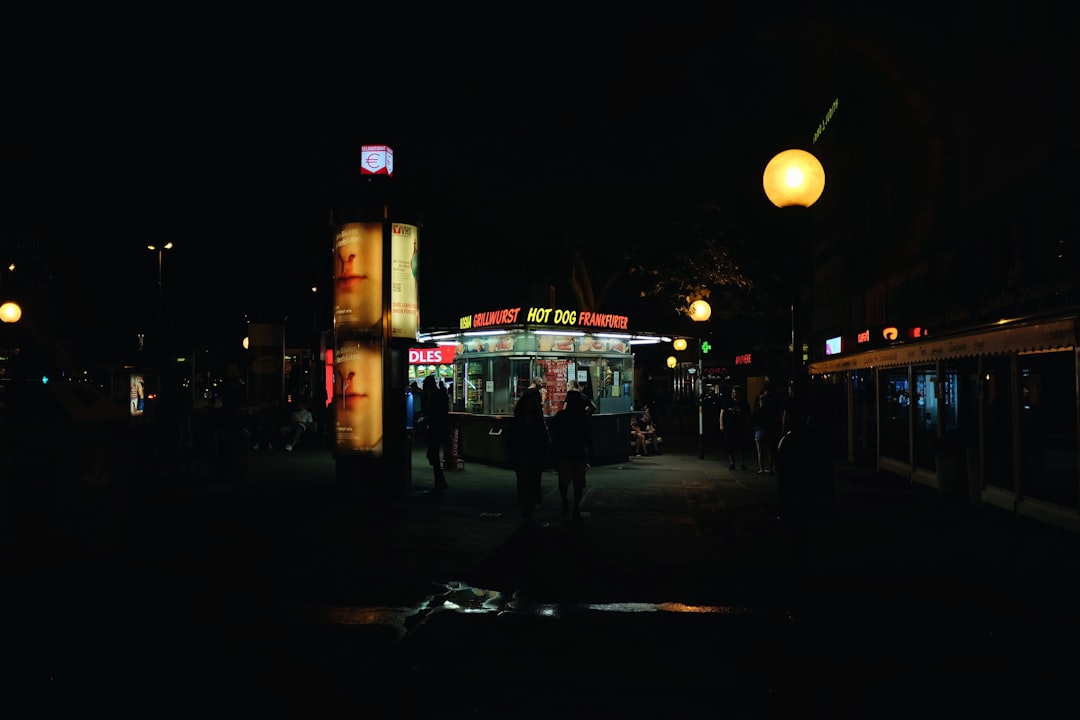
(700, 311)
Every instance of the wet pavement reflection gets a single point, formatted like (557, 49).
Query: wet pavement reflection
(460, 597)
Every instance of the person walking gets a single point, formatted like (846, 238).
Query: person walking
(571, 449)
(437, 414)
(529, 446)
(734, 424)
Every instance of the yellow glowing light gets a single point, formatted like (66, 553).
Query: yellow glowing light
(700, 311)
(679, 344)
(10, 312)
(793, 178)
(671, 361)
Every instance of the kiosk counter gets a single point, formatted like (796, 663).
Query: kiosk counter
(498, 352)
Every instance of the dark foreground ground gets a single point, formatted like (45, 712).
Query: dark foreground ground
(680, 594)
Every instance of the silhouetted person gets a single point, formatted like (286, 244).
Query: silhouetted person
(437, 412)
(529, 446)
(804, 480)
(735, 424)
(767, 418)
(796, 408)
(571, 449)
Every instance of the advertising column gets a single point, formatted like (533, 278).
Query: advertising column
(376, 317)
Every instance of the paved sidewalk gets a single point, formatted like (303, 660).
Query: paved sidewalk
(681, 593)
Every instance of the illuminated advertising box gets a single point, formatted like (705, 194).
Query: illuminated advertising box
(138, 394)
(404, 265)
(376, 160)
(358, 257)
(358, 396)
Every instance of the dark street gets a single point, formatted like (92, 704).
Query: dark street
(681, 593)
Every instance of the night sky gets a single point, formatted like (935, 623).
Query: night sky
(234, 135)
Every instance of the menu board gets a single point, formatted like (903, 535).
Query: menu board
(555, 374)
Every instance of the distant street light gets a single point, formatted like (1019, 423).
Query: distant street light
(794, 179)
(700, 311)
(161, 309)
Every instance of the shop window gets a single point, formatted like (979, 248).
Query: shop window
(994, 387)
(895, 409)
(1048, 427)
(925, 413)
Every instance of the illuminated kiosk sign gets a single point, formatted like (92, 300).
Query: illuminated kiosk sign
(545, 316)
(376, 160)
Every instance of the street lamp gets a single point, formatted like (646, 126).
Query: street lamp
(160, 309)
(700, 311)
(794, 179)
(10, 312)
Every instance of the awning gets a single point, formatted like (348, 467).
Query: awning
(1041, 336)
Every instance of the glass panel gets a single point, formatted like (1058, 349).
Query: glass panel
(520, 374)
(864, 394)
(500, 398)
(1048, 427)
(924, 402)
(995, 388)
(895, 404)
(474, 386)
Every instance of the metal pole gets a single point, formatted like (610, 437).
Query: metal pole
(161, 321)
(700, 409)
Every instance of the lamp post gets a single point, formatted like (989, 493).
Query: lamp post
(10, 312)
(160, 309)
(700, 311)
(794, 179)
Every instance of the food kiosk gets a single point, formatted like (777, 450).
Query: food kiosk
(498, 352)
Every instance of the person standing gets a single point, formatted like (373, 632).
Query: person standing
(590, 406)
(735, 423)
(571, 449)
(417, 397)
(766, 418)
(529, 446)
(437, 414)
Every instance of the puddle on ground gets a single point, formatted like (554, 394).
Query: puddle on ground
(463, 598)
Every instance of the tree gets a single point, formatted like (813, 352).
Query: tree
(698, 264)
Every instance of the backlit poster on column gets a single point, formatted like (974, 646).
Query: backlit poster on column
(358, 391)
(404, 263)
(358, 281)
(138, 394)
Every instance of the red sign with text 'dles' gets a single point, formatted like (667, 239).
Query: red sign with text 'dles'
(442, 355)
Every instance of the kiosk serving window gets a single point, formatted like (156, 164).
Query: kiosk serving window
(497, 364)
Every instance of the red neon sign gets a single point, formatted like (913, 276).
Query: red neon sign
(442, 355)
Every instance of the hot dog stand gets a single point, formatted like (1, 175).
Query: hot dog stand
(498, 352)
